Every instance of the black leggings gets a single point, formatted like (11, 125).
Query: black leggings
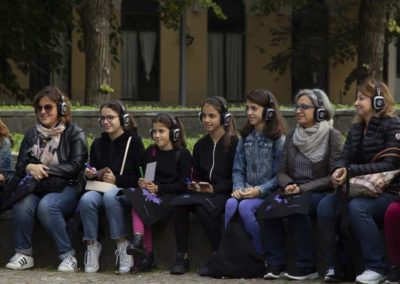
(209, 223)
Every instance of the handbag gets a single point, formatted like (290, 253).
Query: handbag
(372, 185)
(102, 186)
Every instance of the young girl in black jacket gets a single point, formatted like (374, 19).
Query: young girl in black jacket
(107, 155)
(212, 179)
(151, 202)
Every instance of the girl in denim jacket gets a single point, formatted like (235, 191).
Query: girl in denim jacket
(256, 160)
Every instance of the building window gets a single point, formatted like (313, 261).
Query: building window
(226, 51)
(140, 60)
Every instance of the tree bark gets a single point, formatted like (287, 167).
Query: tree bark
(95, 20)
(371, 46)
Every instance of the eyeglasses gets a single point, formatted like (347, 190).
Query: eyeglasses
(47, 108)
(109, 118)
(303, 106)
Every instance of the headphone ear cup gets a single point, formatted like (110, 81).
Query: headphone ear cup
(174, 134)
(62, 108)
(378, 102)
(268, 113)
(151, 132)
(125, 119)
(226, 119)
(200, 115)
(320, 114)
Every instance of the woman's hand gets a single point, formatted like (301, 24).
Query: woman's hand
(37, 171)
(237, 194)
(251, 192)
(339, 176)
(292, 189)
(2, 178)
(194, 186)
(109, 177)
(90, 173)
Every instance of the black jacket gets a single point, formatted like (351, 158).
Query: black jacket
(109, 153)
(359, 149)
(72, 153)
(213, 164)
(172, 169)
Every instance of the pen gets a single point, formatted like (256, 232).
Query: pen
(87, 165)
(141, 172)
(188, 181)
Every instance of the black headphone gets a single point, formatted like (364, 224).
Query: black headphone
(320, 113)
(224, 114)
(268, 112)
(124, 118)
(378, 101)
(62, 106)
(174, 131)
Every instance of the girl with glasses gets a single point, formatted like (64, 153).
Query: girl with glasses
(106, 157)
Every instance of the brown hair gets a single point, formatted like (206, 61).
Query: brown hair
(368, 89)
(5, 133)
(119, 108)
(55, 95)
(275, 127)
(220, 104)
(171, 123)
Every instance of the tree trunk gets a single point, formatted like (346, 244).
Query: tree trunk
(371, 46)
(95, 19)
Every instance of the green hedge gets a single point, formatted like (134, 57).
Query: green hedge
(17, 137)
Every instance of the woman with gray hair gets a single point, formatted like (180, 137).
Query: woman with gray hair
(309, 154)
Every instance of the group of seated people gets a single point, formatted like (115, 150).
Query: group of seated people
(222, 175)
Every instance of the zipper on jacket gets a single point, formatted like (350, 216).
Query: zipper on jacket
(213, 161)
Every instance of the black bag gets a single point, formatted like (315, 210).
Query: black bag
(343, 263)
(236, 257)
(150, 207)
(278, 205)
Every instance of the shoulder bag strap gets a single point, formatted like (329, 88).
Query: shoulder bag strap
(125, 154)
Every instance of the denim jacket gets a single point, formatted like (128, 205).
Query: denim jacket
(256, 162)
(5, 159)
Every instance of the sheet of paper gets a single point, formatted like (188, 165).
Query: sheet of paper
(150, 171)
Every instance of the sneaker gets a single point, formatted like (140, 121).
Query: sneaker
(20, 262)
(302, 273)
(369, 277)
(92, 256)
(137, 246)
(181, 265)
(274, 272)
(393, 276)
(330, 276)
(69, 264)
(123, 260)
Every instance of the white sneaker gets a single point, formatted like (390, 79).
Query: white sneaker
(92, 256)
(69, 264)
(123, 260)
(20, 262)
(369, 277)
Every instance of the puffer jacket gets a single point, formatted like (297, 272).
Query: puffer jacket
(359, 149)
(72, 154)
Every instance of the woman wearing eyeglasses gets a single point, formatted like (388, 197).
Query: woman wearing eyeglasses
(106, 157)
(53, 152)
(309, 154)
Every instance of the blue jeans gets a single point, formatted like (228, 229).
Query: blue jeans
(50, 210)
(93, 203)
(363, 212)
(247, 209)
(300, 228)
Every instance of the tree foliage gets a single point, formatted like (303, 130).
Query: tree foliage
(30, 30)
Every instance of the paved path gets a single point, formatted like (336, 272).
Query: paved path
(37, 276)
